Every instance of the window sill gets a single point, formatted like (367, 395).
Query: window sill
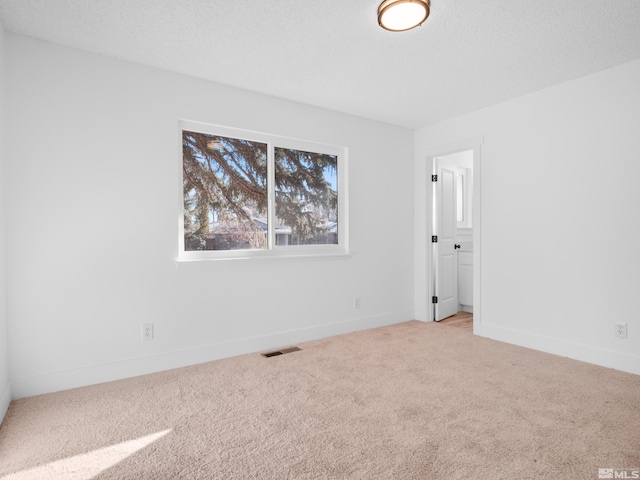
(299, 257)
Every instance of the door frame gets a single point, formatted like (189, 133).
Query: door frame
(474, 144)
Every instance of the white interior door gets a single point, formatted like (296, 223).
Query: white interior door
(446, 281)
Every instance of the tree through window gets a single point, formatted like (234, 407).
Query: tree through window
(306, 196)
(227, 184)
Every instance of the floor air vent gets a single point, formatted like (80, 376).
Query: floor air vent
(282, 351)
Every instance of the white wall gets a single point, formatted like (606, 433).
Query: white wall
(93, 176)
(559, 203)
(5, 388)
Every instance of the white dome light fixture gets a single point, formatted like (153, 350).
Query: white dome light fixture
(402, 15)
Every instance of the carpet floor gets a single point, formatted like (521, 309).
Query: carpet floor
(409, 401)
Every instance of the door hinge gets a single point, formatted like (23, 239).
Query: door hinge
(434, 178)
(434, 299)
(434, 238)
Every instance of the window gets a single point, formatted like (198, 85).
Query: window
(246, 194)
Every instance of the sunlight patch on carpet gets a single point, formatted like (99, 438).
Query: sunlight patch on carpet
(87, 465)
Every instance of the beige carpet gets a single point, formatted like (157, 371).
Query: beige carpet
(410, 401)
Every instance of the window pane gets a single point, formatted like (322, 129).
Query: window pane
(225, 192)
(306, 188)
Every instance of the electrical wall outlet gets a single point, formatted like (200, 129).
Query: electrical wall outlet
(356, 302)
(621, 330)
(147, 331)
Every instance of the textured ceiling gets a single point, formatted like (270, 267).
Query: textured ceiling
(331, 53)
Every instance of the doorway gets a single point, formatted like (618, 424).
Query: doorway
(452, 241)
(453, 232)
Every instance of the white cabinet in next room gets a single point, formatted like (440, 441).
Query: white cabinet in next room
(465, 280)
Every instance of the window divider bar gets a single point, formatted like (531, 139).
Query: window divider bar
(271, 200)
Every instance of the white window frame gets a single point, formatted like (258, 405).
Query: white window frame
(273, 251)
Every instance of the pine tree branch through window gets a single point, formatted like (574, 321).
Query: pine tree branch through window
(242, 194)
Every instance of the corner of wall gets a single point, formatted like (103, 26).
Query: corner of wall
(5, 400)
(5, 385)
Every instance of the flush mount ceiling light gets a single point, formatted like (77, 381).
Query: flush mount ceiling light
(401, 15)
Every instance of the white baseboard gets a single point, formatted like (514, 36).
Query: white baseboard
(585, 353)
(80, 377)
(5, 400)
